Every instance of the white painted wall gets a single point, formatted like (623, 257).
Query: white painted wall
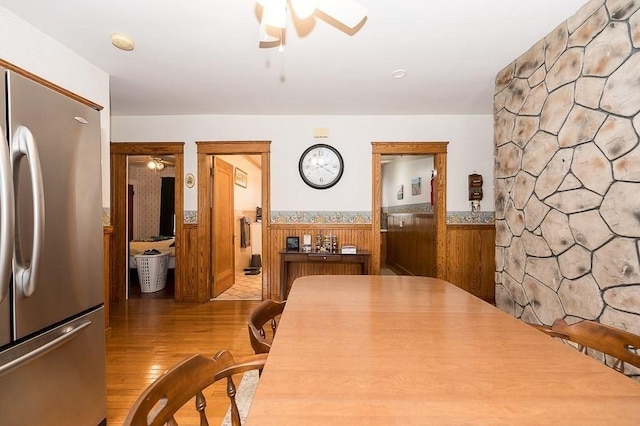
(28, 48)
(470, 149)
(250, 197)
(401, 173)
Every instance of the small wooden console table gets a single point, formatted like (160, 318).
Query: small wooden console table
(287, 257)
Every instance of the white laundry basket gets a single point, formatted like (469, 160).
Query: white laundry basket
(152, 271)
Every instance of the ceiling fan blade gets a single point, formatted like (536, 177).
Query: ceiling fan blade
(347, 12)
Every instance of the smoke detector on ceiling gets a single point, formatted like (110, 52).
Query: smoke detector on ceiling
(122, 42)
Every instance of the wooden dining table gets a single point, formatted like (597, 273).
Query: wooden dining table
(399, 350)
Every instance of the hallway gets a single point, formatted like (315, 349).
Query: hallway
(246, 287)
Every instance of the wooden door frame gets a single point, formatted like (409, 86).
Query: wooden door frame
(206, 149)
(439, 152)
(119, 262)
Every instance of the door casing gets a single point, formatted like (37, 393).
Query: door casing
(439, 152)
(205, 149)
(119, 261)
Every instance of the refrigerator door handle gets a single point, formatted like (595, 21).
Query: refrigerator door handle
(58, 340)
(23, 145)
(7, 221)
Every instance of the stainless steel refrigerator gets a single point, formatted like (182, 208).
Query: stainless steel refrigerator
(52, 337)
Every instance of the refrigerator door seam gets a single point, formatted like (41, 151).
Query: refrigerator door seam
(7, 218)
(23, 145)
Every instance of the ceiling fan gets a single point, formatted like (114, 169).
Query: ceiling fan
(346, 15)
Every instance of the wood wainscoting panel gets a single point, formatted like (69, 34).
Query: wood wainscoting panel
(356, 234)
(107, 232)
(411, 243)
(189, 288)
(471, 259)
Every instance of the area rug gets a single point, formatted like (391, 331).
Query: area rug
(244, 396)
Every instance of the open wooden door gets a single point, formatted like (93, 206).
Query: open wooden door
(222, 227)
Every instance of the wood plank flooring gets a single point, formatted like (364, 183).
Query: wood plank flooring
(149, 335)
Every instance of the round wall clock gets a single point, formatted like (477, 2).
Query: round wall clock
(321, 166)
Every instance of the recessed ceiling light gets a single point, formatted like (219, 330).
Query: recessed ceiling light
(122, 42)
(398, 73)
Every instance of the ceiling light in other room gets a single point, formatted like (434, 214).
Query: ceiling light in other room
(155, 164)
(398, 74)
(122, 42)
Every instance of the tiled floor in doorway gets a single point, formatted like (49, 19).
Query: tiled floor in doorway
(246, 287)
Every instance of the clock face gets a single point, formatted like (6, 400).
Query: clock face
(321, 166)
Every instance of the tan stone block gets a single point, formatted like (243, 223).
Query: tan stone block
(621, 209)
(616, 263)
(589, 91)
(589, 29)
(566, 69)
(589, 229)
(515, 259)
(574, 201)
(556, 43)
(622, 9)
(554, 173)
(621, 95)
(514, 219)
(535, 245)
(504, 122)
(538, 152)
(535, 101)
(570, 182)
(592, 168)
(626, 298)
(584, 13)
(525, 128)
(508, 160)
(626, 167)
(556, 231)
(517, 92)
(530, 61)
(581, 297)
(534, 214)
(575, 262)
(581, 126)
(543, 300)
(557, 108)
(607, 51)
(634, 24)
(616, 137)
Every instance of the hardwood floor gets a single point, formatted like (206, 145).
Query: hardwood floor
(150, 335)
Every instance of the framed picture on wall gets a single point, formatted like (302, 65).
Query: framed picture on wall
(240, 178)
(400, 193)
(416, 186)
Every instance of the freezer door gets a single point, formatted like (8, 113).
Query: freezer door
(60, 384)
(67, 278)
(6, 225)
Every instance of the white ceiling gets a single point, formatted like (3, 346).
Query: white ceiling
(202, 56)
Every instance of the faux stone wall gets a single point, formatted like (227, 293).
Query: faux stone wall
(568, 172)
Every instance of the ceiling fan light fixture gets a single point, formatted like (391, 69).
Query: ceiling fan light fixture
(274, 13)
(155, 163)
(303, 8)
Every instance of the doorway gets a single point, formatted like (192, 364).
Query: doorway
(436, 150)
(120, 153)
(151, 226)
(234, 152)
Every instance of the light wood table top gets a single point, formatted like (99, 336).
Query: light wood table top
(385, 350)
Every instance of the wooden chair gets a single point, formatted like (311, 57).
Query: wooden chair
(266, 312)
(618, 344)
(158, 403)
